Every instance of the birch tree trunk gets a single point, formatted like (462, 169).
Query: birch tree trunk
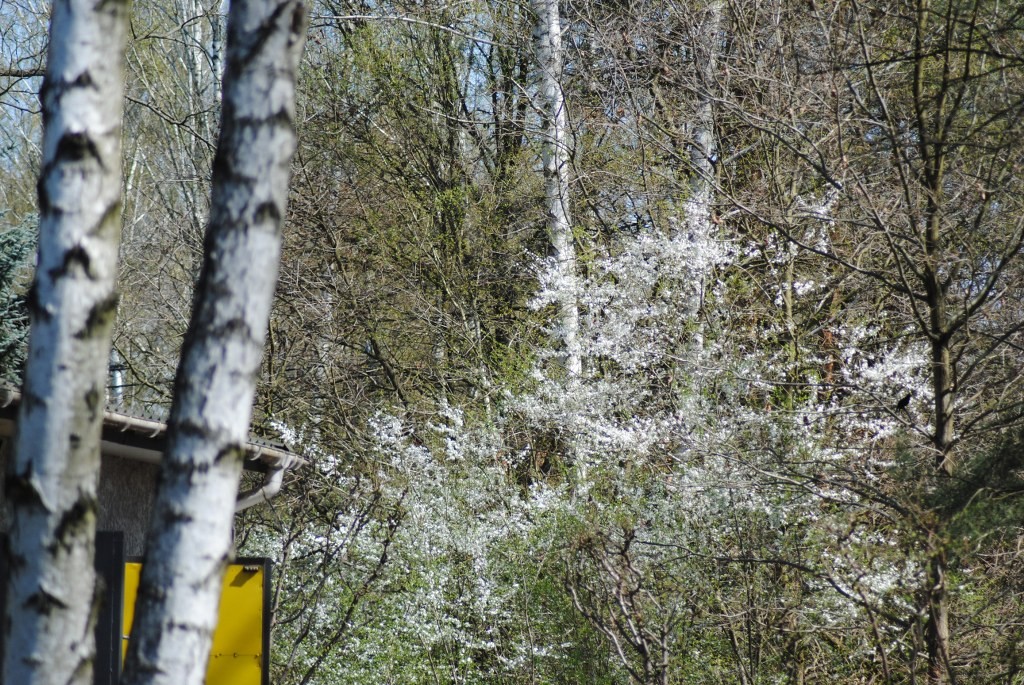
(704, 148)
(52, 478)
(562, 279)
(190, 533)
(698, 224)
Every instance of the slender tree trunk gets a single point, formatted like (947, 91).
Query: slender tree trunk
(198, 97)
(934, 148)
(190, 533)
(943, 388)
(943, 379)
(704, 147)
(698, 221)
(563, 280)
(52, 479)
(937, 627)
(217, 47)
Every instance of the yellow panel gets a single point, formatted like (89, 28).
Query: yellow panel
(237, 654)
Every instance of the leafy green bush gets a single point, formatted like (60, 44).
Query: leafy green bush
(17, 244)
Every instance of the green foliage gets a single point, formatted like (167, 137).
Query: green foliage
(731, 468)
(17, 245)
(985, 504)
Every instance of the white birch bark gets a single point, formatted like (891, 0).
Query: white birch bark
(52, 478)
(198, 95)
(698, 219)
(190, 534)
(704, 147)
(562, 280)
(217, 47)
(193, 50)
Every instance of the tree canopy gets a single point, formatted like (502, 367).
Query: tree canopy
(649, 342)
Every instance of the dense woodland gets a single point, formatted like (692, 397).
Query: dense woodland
(646, 341)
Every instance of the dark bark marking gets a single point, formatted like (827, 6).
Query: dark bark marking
(254, 41)
(183, 627)
(222, 168)
(190, 428)
(75, 147)
(44, 603)
(35, 308)
(74, 522)
(93, 402)
(235, 327)
(298, 27)
(75, 255)
(112, 6)
(233, 139)
(100, 317)
(282, 118)
(83, 80)
(55, 86)
(212, 282)
(20, 491)
(150, 593)
(15, 562)
(267, 212)
(232, 452)
(171, 517)
(43, 195)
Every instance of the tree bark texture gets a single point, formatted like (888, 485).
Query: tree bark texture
(556, 160)
(190, 533)
(704, 148)
(703, 151)
(52, 479)
(937, 625)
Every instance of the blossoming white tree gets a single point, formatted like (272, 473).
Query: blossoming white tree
(560, 277)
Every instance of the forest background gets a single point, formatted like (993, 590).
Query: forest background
(653, 341)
